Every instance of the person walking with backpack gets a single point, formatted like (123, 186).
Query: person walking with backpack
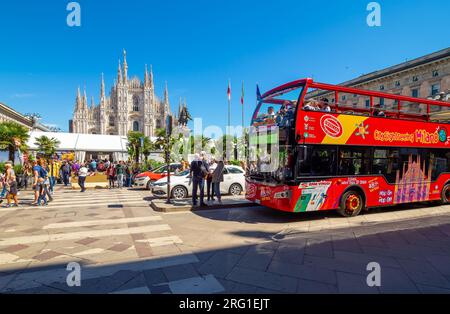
(39, 176)
(46, 185)
(198, 173)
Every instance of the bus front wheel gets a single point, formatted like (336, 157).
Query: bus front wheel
(446, 194)
(351, 204)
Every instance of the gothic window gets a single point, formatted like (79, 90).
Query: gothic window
(136, 126)
(158, 124)
(135, 103)
(111, 121)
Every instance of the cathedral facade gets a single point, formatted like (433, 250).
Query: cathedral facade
(131, 106)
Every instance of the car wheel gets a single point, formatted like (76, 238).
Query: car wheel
(179, 192)
(445, 196)
(235, 189)
(149, 185)
(351, 204)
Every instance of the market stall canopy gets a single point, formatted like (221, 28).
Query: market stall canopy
(83, 142)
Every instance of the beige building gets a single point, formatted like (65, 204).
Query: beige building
(9, 114)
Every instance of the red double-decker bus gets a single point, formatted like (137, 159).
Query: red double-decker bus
(316, 146)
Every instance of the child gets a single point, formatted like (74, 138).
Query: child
(2, 187)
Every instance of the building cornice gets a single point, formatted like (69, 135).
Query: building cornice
(438, 56)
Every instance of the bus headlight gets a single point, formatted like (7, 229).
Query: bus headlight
(284, 194)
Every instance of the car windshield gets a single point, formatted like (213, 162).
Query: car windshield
(183, 173)
(160, 170)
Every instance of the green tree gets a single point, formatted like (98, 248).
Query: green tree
(13, 136)
(47, 146)
(134, 144)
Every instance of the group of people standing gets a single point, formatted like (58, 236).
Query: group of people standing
(42, 175)
(119, 174)
(202, 170)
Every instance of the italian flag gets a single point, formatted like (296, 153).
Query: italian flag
(229, 91)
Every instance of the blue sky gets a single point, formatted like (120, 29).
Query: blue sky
(197, 45)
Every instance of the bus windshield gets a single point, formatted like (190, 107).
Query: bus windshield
(278, 109)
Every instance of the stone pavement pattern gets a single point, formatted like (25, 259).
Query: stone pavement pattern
(124, 246)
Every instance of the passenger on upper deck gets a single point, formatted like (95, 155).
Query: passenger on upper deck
(325, 105)
(312, 105)
(378, 112)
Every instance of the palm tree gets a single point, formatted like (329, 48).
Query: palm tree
(134, 142)
(47, 146)
(148, 148)
(13, 136)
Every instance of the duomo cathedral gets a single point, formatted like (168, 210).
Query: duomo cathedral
(131, 106)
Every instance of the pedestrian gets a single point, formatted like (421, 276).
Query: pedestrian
(93, 165)
(46, 184)
(66, 170)
(82, 174)
(11, 184)
(43, 184)
(209, 185)
(217, 177)
(75, 167)
(2, 187)
(128, 175)
(198, 173)
(53, 173)
(120, 173)
(27, 174)
(111, 173)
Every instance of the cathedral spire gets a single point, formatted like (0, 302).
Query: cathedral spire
(85, 105)
(151, 77)
(146, 77)
(125, 66)
(119, 74)
(102, 88)
(92, 103)
(166, 100)
(78, 100)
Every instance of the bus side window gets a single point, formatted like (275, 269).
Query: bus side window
(354, 161)
(386, 162)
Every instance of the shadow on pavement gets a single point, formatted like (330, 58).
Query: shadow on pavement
(414, 256)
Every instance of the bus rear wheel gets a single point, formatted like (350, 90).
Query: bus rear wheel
(446, 194)
(351, 204)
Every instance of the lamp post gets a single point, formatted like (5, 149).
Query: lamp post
(167, 151)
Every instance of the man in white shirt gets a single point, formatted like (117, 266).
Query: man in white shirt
(82, 174)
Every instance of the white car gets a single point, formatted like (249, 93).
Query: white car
(233, 183)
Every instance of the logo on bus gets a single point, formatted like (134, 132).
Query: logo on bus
(331, 126)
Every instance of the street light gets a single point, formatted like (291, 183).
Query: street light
(169, 121)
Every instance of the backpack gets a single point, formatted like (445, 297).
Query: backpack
(43, 173)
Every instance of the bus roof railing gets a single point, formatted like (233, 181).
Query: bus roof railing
(398, 113)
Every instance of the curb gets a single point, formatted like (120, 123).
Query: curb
(187, 208)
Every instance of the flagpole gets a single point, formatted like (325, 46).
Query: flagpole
(229, 106)
(242, 104)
